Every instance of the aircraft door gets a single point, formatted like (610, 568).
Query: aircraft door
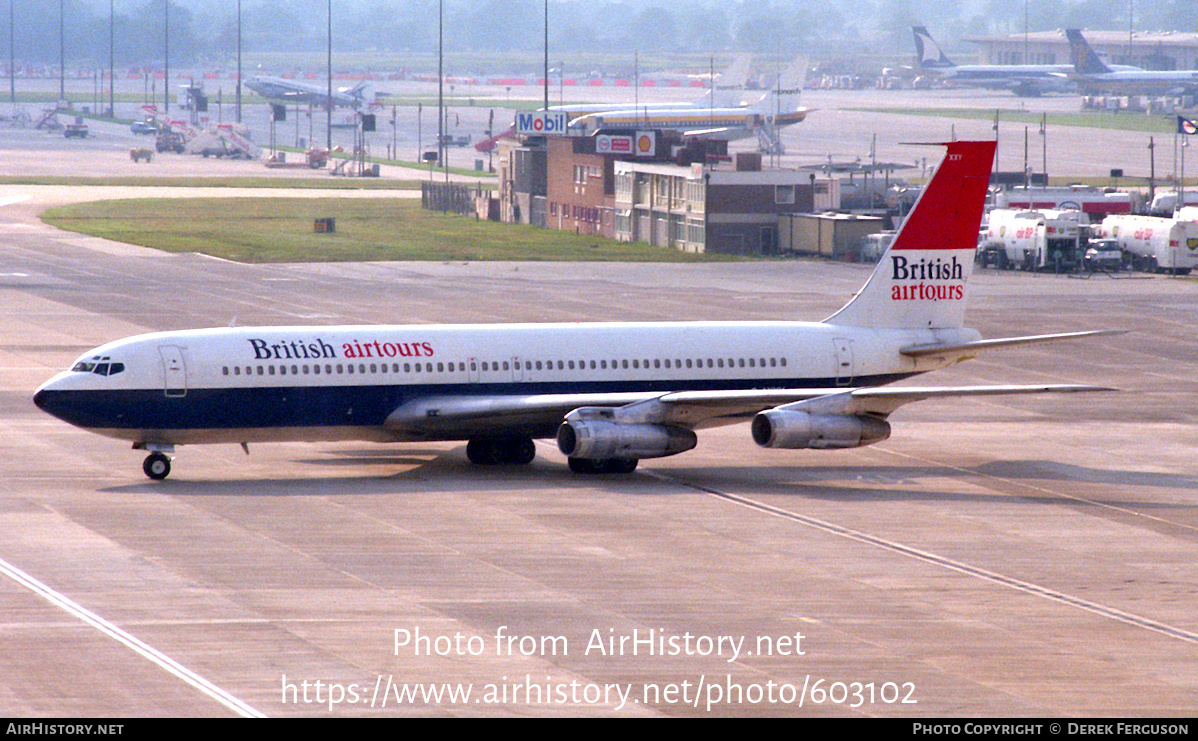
(844, 361)
(517, 370)
(474, 371)
(174, 372)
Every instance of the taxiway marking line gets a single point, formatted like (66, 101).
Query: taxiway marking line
(946, 562)
(145, 650)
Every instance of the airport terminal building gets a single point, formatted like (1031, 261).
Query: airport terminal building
(688, 196)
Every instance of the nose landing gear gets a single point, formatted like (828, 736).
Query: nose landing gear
(157, 464)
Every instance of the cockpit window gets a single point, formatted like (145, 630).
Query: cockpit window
(99, 365)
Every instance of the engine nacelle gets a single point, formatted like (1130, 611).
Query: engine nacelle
(785, 428)
(599, 440)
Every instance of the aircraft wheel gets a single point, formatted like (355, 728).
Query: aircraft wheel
(582, 465)
(481, 451)
(493, 451)
(620, 465)
(157, 466)
(521, 451)
(606, 465)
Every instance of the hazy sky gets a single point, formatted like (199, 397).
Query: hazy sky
(206, 29)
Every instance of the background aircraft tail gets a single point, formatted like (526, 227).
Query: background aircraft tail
(927, 52)
(728, 88)
(920, 282)
(362, 93)
(1085, 61)
(784, 96)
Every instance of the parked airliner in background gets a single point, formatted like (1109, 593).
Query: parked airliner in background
(1025, 80)
(1092, 75)
(279, 90)
(727, 89)
(763, 118)
(611, 393)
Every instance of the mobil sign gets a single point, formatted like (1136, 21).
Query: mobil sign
(540, 123)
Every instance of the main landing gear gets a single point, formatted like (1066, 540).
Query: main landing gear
(515, 450)
(604, 465)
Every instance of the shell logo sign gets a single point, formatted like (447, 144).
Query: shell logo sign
(646, 143)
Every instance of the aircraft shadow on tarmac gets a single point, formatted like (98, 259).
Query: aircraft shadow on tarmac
(910, 483)
(442, 469)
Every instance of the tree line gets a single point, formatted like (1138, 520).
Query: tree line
(207, 32)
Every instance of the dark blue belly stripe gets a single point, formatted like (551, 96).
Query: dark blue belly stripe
(333, 406)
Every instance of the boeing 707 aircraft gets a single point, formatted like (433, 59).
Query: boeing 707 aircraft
(611, 393)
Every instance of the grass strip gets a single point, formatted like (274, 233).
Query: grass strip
(281, 230)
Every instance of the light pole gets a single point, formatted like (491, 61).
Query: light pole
(441, 85)
(111, 62)
(329, 103)
(12, 55)
(166, 55)
(62, 64)
(546, 60)
(239, 62)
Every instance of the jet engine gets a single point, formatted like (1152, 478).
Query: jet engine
(785, 428)
(596, 439)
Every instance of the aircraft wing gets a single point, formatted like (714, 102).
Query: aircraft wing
(538, 415)
(454, 417)
(706, 132)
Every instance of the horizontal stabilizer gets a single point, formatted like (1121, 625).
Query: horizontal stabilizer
(970, 349)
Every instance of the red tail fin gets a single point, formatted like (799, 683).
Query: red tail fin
(920, 282)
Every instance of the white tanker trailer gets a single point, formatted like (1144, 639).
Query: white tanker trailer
(1155, 243)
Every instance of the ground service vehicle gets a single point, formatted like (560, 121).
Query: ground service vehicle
(1154, 243)
(1094, 202)
(77, 129)
(1034, 240)
(1103, 255)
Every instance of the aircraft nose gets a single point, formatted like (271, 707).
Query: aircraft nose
(49, 395)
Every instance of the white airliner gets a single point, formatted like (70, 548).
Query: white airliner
(764, 118)
(295, 91)
(1025, 80)
(611, 393)
(727, 90)
(1092, 74)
